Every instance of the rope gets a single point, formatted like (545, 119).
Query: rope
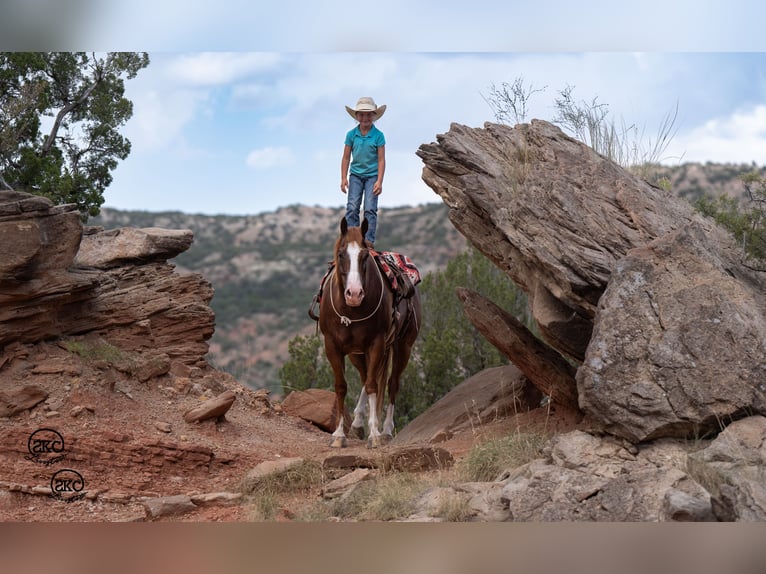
(345, 320)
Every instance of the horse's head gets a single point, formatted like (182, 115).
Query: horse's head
(351, 260)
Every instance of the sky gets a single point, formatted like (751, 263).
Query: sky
(242, 108)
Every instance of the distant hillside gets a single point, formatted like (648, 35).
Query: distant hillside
(265, 268)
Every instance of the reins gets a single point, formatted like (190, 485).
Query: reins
(345, 320)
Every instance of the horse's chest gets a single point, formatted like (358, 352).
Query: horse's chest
(355, 339)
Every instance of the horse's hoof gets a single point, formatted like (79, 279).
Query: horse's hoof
(338, 442)
(385, 438)
(374, 442)
(358, 432)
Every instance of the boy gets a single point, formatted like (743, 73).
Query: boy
(365, 154)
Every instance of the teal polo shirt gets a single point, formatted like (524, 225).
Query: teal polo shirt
(364, 151)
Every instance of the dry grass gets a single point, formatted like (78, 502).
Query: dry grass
(455, 508)
(486, 461)
(265, 498)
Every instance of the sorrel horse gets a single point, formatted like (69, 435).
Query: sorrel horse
(358, 319)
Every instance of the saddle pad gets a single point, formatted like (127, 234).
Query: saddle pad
(387, 259)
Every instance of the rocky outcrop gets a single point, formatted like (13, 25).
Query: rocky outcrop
(491, 394)
(317, 406)
(548, 371)
(57, 281)
(550, 212)
(678, 348)
(664, 323)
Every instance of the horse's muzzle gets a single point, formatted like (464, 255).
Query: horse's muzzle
(354, 297)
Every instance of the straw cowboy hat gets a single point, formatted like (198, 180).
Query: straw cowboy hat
(367, 104)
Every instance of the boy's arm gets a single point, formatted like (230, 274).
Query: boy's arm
(377, 189)
(344, 168)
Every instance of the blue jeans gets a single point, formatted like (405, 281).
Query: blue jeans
(358, 187)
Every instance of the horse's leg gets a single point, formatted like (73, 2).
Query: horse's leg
(402, 349)
(376, 372)
(337, 362)
(360, 411)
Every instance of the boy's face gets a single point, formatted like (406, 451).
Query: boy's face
(364, 118)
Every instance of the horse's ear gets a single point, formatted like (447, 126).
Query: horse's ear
(365, 226)
(343, 226)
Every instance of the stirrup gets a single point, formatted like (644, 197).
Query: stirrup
(314, 302)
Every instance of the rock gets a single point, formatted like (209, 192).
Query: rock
(339, 486)
(151, 366)
(127, 245)
(80, 409)
(678, 343)
(57, 366)
(163, 426)
(731, 468)
(493, 393)
(212, 408)
(480, 502)
(680, 506)
(344, 461)
(16, 400)
(217, 499)
(316, 406)
(587, 478)
(441, 435)
(551, 212)
(127, 294)
(37, 239)
(168, 506)
(543, 366)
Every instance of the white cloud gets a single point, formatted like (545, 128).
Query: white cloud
(219, 68)
(270, 157)
(738, 138)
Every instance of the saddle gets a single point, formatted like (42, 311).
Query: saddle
(401, 272)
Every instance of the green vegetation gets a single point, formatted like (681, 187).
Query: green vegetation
(307, 368)
(745, 220)
(84, 94)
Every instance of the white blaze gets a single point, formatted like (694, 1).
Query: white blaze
(354, 289)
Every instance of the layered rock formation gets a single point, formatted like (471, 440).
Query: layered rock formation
(650, 299)
(57, 281)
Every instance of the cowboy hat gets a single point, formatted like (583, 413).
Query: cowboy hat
(367, 104)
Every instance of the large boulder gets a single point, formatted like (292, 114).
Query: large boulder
(493, 393)
(678, 348)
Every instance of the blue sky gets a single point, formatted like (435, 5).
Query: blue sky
(241, 110)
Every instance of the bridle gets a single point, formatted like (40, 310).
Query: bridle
(347, 321)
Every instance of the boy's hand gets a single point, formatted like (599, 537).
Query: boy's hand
(344, 185)
(377, 188)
